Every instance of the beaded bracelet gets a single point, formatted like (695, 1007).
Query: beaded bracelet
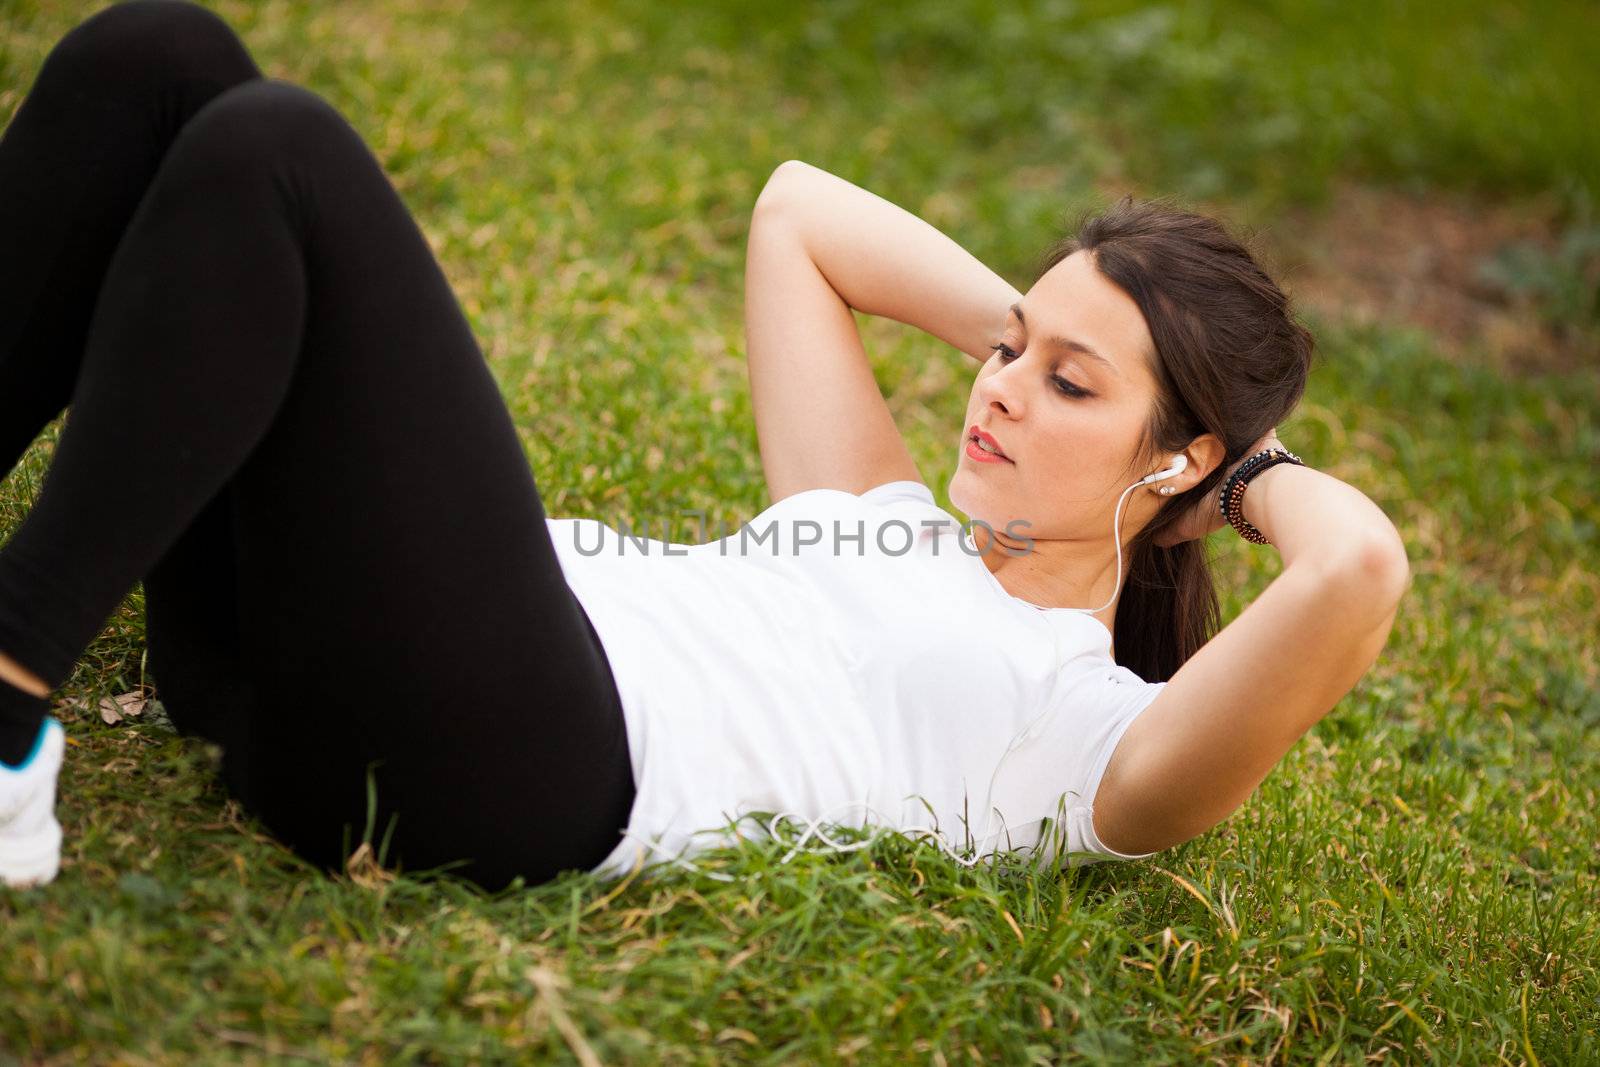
(1231, 499)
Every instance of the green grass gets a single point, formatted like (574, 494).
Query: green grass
(1418, 880)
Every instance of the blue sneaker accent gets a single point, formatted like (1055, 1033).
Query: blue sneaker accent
(38, 743)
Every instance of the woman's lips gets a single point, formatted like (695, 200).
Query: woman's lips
(984, 457)
(976, 434)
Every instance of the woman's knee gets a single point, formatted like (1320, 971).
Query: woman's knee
(268, 122)
(162, 40)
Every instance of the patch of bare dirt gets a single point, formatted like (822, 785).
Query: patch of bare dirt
(1390, 256)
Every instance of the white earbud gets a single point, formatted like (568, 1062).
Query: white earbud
(1180, 463)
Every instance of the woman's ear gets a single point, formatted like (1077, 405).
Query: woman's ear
(1205, 453)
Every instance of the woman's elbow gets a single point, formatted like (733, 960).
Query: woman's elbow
(1384, 566)
(1366, 574)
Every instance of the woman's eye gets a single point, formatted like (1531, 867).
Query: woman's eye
(1007, 353)
(1069, 389)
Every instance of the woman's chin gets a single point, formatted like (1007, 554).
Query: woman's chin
(973, 499)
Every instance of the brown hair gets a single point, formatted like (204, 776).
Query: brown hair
(1230, 359)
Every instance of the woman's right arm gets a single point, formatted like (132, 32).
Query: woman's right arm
(820, 247)
(882, 260)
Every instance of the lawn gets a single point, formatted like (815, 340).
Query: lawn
(1419, 879)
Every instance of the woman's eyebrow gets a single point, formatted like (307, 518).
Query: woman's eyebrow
(1067, 343)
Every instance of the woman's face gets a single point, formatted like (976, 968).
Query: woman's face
(1067, 456)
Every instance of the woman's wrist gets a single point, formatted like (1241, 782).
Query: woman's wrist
(1265, 494)
(1310, 515)
(1268, 452)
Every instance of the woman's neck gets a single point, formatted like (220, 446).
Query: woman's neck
(1055, 574)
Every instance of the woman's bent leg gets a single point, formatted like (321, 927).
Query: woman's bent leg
(75, 160)
(191, 611)
(273, 331)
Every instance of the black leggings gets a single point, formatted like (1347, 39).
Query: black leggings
(281, 422)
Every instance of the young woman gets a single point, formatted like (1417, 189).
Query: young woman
(280, 421)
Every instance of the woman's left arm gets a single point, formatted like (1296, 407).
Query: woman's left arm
(1236, 706)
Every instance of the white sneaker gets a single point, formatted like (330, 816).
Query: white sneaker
(30, 836)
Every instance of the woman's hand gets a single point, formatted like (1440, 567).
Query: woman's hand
(1203, 516)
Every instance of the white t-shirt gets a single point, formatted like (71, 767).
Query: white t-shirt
(847, 658)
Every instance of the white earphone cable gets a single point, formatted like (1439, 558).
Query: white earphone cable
(1116, 537)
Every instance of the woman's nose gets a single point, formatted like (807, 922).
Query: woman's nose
(1001, 390)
